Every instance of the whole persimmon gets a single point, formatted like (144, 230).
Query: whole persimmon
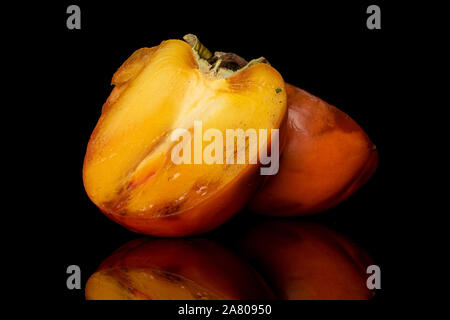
(326, 158)
(175, 269)
(129, 169)
(307, 261)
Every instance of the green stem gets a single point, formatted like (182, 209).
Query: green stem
(221, 64)
(197, 46)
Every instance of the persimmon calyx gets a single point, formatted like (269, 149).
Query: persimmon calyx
(220, 64)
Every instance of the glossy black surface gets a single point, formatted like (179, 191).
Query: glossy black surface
(325, 49)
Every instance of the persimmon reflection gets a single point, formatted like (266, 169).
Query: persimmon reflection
(175, 269)
(307, 261)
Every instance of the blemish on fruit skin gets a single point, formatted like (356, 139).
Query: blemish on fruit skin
(173, 206)
(278, 90)
(201, 190)
(168, 209)
(182, 197)
(143, 211)
(201, 295)
(176, 175)
(170, 276)
(203, 187)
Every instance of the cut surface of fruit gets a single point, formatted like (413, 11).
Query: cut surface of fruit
(129, 172)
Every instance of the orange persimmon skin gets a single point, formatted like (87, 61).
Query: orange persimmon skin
(306, 261)
(327, 158)
(203, 217)
(203, 262)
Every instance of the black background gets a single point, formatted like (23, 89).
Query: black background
(324, 48)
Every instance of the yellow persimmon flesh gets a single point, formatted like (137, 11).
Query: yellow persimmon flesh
(128, 170)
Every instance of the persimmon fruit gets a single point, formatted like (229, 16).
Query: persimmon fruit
(175, 269)
(307, 261)
(326, 158)
(129, 172)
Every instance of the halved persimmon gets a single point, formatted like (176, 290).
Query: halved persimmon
(129, 169)
(175, 269)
